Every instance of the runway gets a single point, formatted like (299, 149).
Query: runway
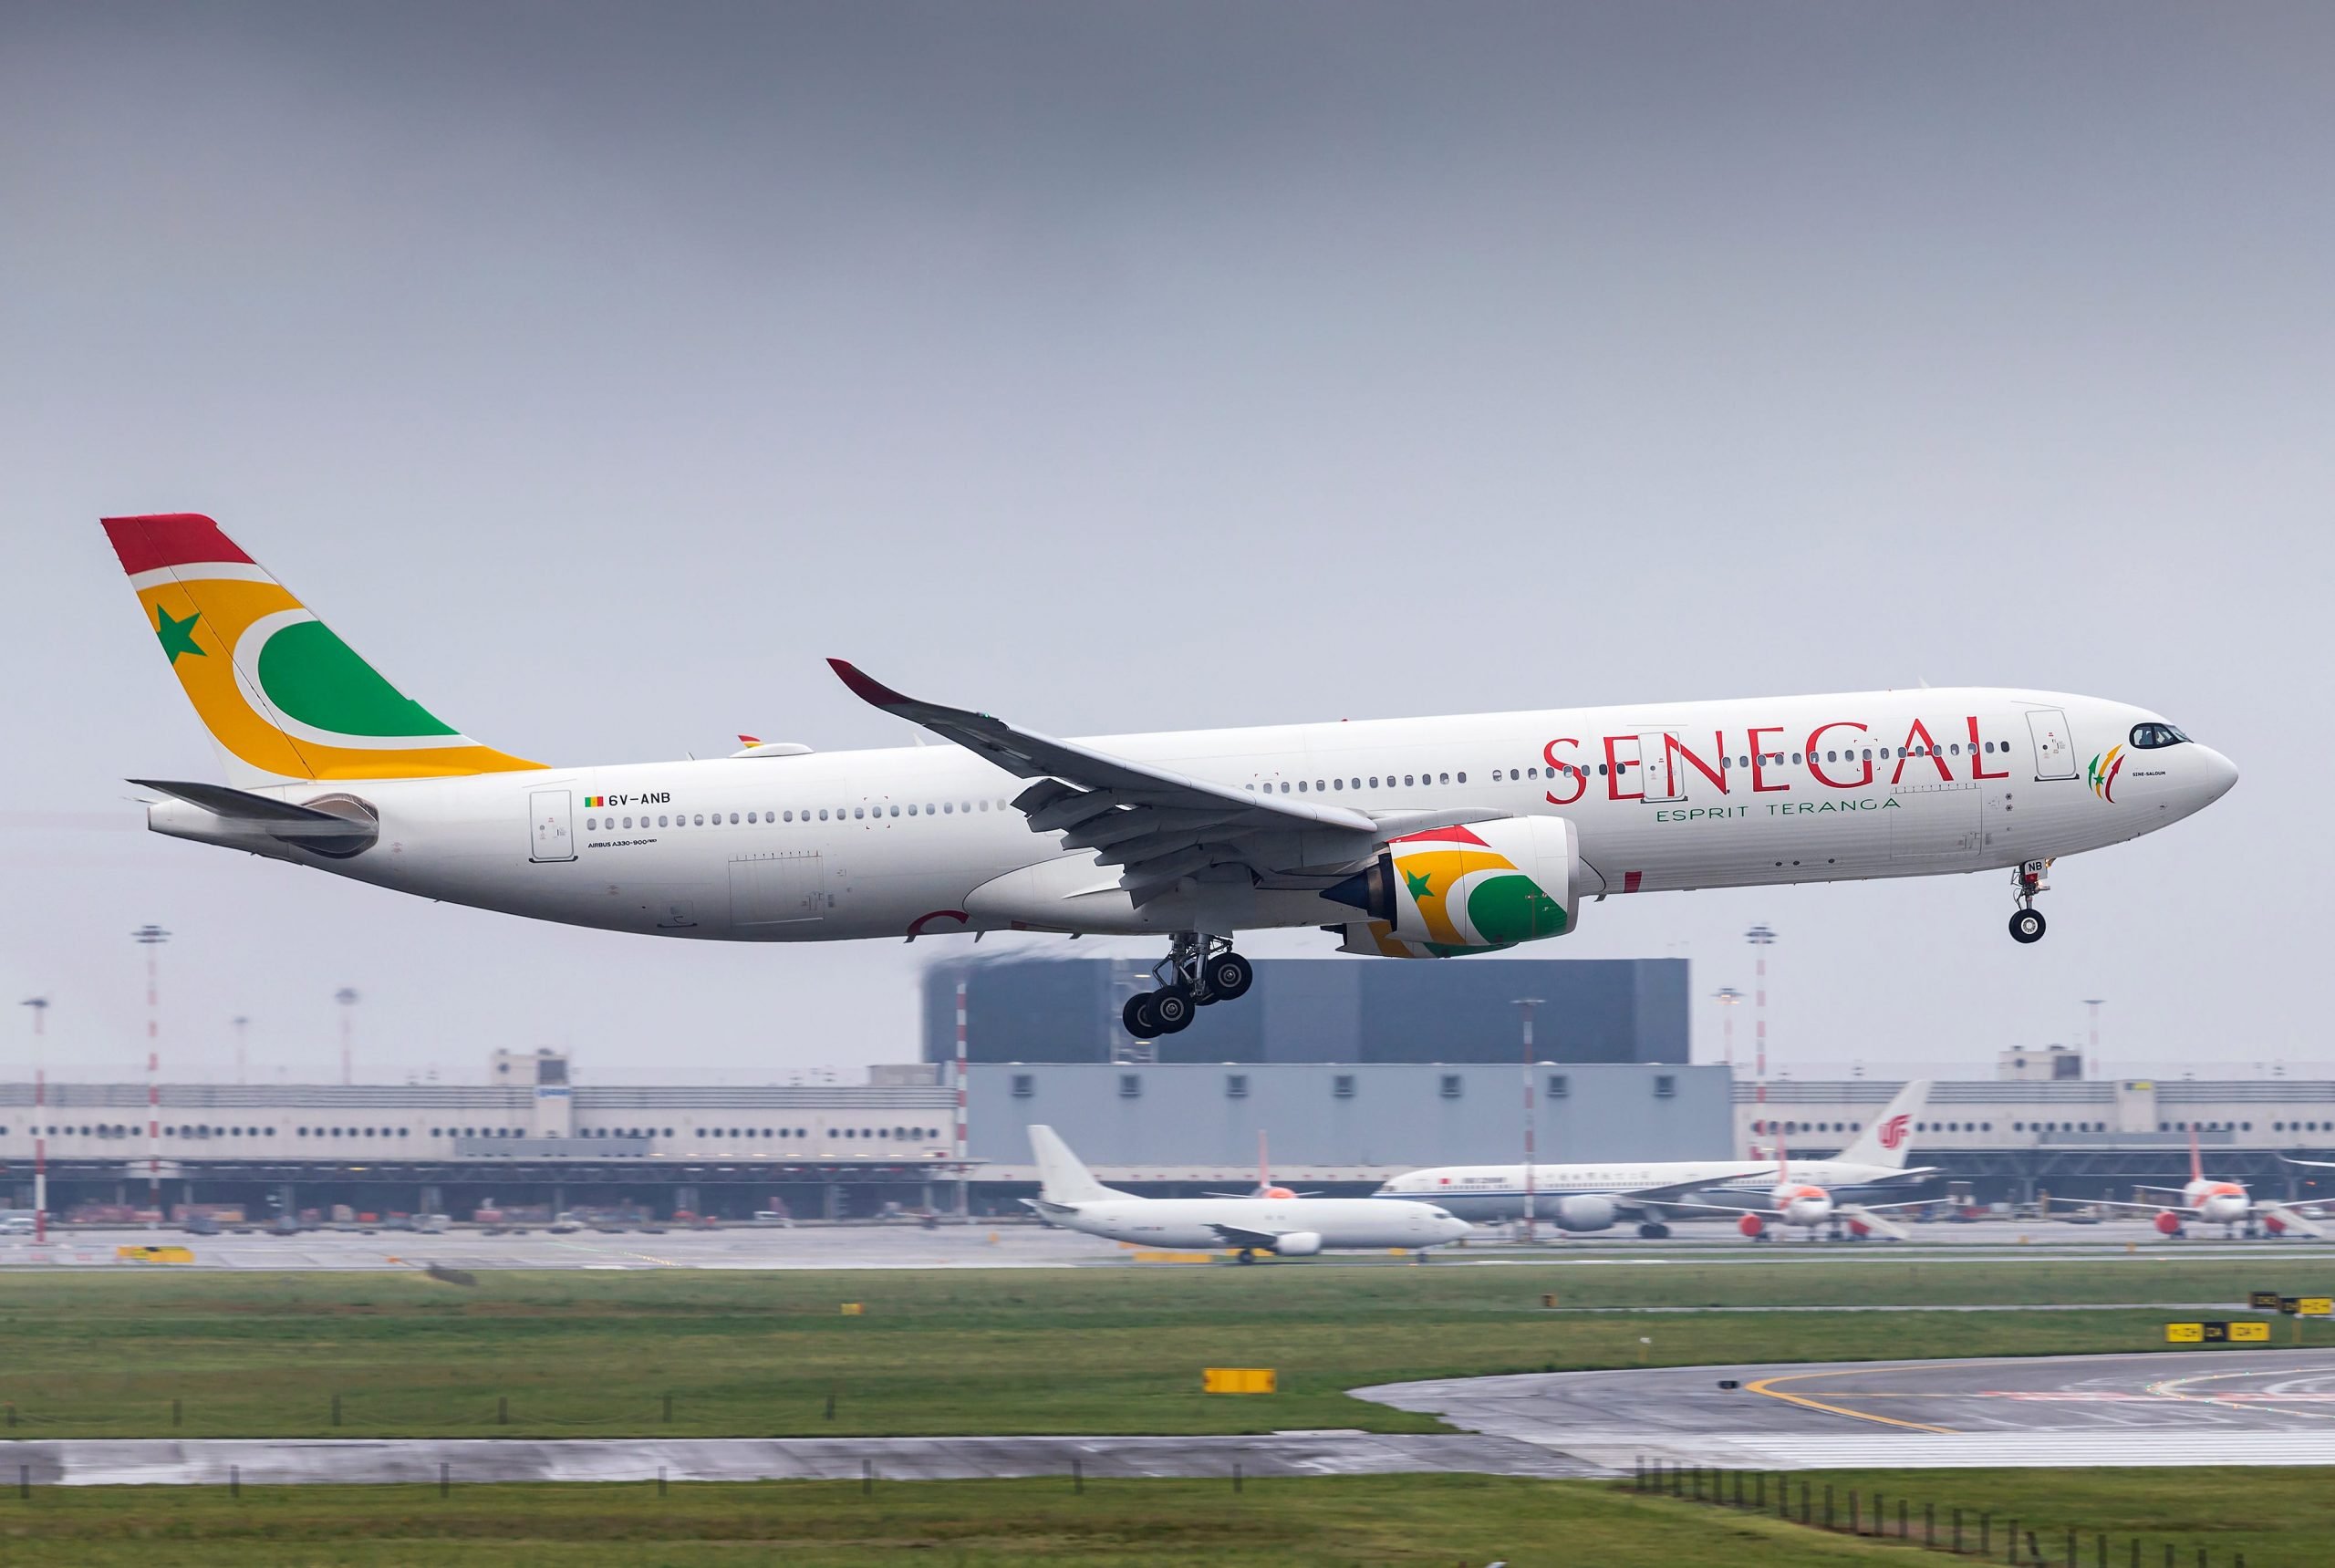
(2179, 1407)
(259, 1462)
(1021, 1245)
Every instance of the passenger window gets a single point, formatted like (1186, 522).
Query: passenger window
(1463, 778)
(911, 808)
(1300, 786)
(1338, 784)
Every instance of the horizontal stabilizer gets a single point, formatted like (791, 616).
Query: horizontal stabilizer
(259, 810)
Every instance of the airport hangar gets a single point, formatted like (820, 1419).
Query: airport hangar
(1356, 1072)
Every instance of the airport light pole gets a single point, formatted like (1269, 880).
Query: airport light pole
(2092, 1004)
(242, 1030)
(39, 1005)
(964, 1179)
(152, 936)
(1729, 1000)
(347, 997)
(1761, 939)
(1526, 1004)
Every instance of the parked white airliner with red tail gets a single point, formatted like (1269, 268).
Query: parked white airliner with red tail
(2202, 1200)
(1406, 838)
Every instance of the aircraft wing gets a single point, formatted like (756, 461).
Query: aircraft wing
(1724, 1210)
(2178, 1207)
(1157, 825)
(1678, 1189)
(2289, 1217)
(2312, 1164)
(1869, 1215)
(1240, 1236)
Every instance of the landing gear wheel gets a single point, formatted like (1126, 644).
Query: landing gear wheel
(1653, 1232)
(1171, 1008)
(1229, 977)
(1244, 1256)
(1141, 1020)
(2026, 925)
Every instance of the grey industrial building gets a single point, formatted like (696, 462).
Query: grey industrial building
(1325, 1009)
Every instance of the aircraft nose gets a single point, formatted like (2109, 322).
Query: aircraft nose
(2217, 773)
(1453, 1227)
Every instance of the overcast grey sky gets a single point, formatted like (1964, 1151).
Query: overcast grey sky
(596, 370)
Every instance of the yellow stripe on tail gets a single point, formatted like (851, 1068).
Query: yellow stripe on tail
(282, 696)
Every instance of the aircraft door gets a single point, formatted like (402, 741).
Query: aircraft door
(776, 889)
(2055, 753)
(551, 825)
(1665, 775)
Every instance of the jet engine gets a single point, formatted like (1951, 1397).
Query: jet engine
(1585, 1211)
(2167, 1222)
(1298, 1243)
(1466, 889)
(1752, 1225)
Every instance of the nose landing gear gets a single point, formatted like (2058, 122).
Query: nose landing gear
(1199, 970)
(2026, 921)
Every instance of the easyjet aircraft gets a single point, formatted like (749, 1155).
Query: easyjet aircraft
(1406, 838)
(2204, 1201)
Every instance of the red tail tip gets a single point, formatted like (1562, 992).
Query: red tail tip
(145, 543)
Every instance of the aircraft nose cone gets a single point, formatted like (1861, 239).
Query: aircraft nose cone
(1453, 1227)
(2218, 773)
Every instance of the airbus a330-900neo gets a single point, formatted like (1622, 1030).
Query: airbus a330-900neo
(1407, 837)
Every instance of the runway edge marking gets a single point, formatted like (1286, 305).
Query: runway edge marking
(1766, 1386)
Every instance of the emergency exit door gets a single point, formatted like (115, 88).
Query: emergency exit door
(553, 831)
(2055, 753)
(1665, 773)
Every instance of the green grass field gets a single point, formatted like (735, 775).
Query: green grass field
(1335, 1523)
(580, 1353)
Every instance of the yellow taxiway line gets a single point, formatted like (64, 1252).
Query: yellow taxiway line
(1766, 1386)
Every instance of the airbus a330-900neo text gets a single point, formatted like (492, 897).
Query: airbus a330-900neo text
(1407, 837)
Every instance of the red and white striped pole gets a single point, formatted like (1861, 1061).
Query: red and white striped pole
(964, 1185)
(151, 938)
(39, 1005)
(1531, 1198)
(1760, 938)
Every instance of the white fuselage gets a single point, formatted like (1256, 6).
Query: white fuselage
(1487, 1192)
(1340, 1222)
(921, 840)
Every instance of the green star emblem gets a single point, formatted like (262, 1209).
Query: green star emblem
(1419, 883)
(178, 636)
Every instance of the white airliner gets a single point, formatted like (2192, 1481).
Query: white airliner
(1595, 1195)
(2203, 1200)
(1406, 838)
(1291, 1227)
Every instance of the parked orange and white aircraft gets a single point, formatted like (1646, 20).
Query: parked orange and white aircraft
(1422, 838)
(2204, 1201)
(1797, 1202)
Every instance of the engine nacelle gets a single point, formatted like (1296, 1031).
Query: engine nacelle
(1752, 1225)
(1585, 1211)
(1476, 889)
(2168, 1223)
(1298, 1244)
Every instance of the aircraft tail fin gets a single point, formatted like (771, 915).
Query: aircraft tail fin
(1889, 1136)
(2197, 1161)
(1061, 1178)
(283, 697)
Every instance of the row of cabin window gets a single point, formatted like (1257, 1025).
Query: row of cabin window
(753, 818)
(764, 1132)
(1566, 770)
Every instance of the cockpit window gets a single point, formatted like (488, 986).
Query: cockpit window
(2148, 737)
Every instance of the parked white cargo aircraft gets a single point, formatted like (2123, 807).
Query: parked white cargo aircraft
(1288, 1227)
(1407, 837)
(1595, 1195)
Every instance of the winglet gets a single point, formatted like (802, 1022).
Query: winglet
(865, 687)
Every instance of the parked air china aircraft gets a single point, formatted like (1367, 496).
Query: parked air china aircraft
(1407, 837)
(2208, 1202)
(1290, 1227)
(1592, 1195)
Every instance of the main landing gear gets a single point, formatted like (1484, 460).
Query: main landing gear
(1199, 970)
(2026, 922)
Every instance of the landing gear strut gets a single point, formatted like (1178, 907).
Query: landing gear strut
(1199, 970)
(2026, 921)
